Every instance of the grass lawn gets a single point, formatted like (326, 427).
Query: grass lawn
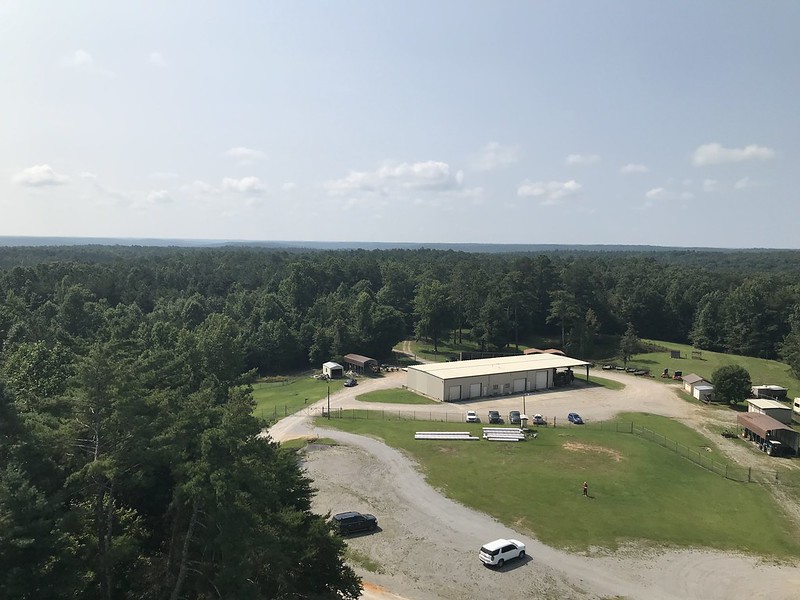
(395, 396)
(639, 491)
(611, 384)
(276, 400)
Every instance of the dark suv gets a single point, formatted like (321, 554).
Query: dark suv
(351, 522)
(494, 417)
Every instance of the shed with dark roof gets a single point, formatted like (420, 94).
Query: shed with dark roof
(359, 363)
(761, 429)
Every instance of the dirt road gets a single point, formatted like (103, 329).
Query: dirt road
(427, 546)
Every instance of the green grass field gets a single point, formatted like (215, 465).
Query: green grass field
(395, 396)
(639, 491)
(276, 400)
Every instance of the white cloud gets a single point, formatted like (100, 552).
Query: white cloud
(582, 159)
(389, 178)
(716, 154)
(245, 185)
(199, 187)
(495, 156)
(157, 60)
(550, 191)
(686, 195)
(245, 156)
(88, 175)
(78, 59)
(81, 60)
(289, 186)
(39, 176)
(743, 183)
(159, 197)
(655, 193)
(632, 168)
(710, 185)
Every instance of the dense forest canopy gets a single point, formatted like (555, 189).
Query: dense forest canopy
(288, 309)
(129, 465)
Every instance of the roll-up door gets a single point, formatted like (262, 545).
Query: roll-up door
(519, 386)
(474, 390)
(454, 393)
(541, 380)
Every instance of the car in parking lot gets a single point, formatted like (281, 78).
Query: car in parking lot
(496, 553)
(575, 418)
(494, 417)
(513, 417)
(352, 522)
(472, 417)
(350, 383)
(538, 420)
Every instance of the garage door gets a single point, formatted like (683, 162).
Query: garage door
(519, 386)
(474, 390)
(541, 380)
(454, 393)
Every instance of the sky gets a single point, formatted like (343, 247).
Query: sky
(526, 122)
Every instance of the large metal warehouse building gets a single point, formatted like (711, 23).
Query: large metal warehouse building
(469, 379)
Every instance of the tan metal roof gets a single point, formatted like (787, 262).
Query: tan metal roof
(764, 403)
(692, 378)
(494, 366)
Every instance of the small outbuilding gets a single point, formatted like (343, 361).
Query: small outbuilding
(332, 370)
(555, 351)
(764, 431)
(703, 392)
(773, 408)
(691, 380)
(360, 364)
(772, 392)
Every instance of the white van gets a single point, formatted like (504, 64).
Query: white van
(796, 407)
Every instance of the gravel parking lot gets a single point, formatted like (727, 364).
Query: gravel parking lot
(427, 544)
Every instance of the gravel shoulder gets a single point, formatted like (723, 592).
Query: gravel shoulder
(427, 545)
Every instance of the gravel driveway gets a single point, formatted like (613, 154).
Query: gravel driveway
(428, 544)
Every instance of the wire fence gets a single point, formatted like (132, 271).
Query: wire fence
(700, 456)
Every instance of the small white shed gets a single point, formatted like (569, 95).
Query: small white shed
(704, 392)
(332, 370)
(691, 380)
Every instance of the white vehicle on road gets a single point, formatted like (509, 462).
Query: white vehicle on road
(496, 553)
(472, 417)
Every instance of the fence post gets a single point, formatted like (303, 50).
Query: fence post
(749, 473)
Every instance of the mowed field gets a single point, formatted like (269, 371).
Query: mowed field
(639, 491)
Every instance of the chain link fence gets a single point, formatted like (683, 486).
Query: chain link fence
(698, 456)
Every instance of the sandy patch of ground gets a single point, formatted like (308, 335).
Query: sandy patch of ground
(579, 447)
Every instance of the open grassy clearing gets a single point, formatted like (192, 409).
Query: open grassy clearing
(639, 491)
(761, 370)
(395, 396)
(278, 399)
